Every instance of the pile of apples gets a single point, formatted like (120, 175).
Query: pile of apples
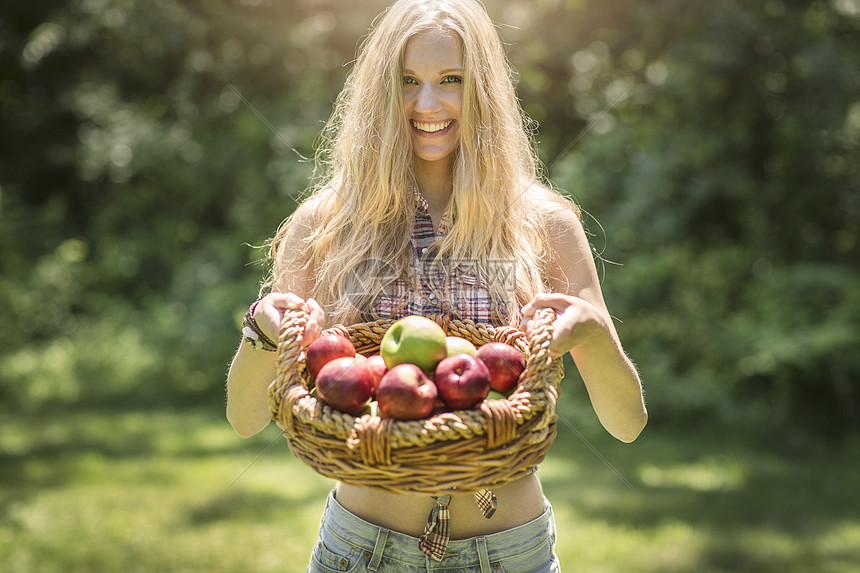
(418, 371)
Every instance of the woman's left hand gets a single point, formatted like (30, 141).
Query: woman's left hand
(577, 320)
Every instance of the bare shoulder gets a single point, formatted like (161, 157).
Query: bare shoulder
(309, 212)
(557, 216)
(569, 263)
(292, 246)
(307, 218)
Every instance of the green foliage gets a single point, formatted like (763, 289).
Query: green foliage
(174, 490)
(725, 182)
(147, 149)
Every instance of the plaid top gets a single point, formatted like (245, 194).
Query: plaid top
(438, 286)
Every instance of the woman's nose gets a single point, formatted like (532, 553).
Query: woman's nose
(428, 100)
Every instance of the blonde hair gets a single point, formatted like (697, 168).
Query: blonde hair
(364, 204)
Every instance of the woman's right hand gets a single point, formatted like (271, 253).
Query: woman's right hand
(271, 309)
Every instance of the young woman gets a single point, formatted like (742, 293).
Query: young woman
(432, 203)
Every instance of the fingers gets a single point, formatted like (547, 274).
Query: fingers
(563, 305)
(275, 304)
(315, 320)
(283, 300)
(526, 325)
(556, 301)
(555, 349)
(268, 317)
(314, 308)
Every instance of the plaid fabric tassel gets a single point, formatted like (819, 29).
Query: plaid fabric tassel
(487, 501)
(434, 541)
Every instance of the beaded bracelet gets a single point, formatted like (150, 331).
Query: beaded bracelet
(253, 334)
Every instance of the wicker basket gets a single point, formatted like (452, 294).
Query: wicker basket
(466, 450)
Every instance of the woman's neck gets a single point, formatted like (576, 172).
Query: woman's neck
(435, 182)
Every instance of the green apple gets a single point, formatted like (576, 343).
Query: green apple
(414, 340)
(457, 345)
(493, 395)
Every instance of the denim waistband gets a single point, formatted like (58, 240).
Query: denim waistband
(356, 538)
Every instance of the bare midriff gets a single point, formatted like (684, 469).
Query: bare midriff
(518, 502)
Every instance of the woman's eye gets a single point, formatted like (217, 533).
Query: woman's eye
(452, 80)
(408, 80)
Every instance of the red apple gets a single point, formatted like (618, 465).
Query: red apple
(377, 366)
(345, 384)
(463, 381)
(439, 406)
(505, 364)
(325, 349)
(406, 393)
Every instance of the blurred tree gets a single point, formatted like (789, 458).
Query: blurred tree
(145, 145)
(729, 183)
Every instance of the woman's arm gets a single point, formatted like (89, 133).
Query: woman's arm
(252, 371)
(584, 328)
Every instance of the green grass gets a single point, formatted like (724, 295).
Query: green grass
(705, 502)
(151, 491)
(166, 490)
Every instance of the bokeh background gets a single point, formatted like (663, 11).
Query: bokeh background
(149, 149)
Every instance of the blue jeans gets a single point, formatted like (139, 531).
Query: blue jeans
(349, 543)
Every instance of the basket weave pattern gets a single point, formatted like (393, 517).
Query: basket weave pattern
(467, 450)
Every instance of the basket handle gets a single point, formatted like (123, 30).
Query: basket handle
(540, 366)
(540, 337)
(289, 354)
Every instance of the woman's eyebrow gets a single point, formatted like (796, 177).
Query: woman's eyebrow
(441, 72)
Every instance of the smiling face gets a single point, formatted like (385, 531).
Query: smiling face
(433, 93)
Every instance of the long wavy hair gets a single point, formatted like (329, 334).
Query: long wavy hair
(364, 181)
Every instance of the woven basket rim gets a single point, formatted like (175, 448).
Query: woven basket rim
(376, 452)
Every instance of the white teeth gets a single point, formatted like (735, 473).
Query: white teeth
(432, 127)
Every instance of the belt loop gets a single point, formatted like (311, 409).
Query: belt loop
(483, 556)
(378, 548)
